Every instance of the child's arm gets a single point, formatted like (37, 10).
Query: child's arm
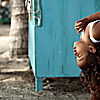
(81, 24)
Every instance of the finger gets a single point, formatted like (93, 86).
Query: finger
(78, 24)
(80, 29)
(78, 32)
(77, 27)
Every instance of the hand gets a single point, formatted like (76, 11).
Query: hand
(81, 24)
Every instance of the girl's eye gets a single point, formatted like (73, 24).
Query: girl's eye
(79, 56)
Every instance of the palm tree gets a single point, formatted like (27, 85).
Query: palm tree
(18, 38)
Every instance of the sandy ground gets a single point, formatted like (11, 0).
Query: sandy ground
(17, 81)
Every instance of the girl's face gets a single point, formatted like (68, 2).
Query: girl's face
(81, 50)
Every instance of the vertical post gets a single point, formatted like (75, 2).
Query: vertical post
(39, 83)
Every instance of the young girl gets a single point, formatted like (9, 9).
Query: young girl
(87, 53)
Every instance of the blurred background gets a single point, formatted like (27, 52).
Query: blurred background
(5, 21)
(5, 9)
(13, 28)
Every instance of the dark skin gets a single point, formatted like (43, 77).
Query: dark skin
(81, 48)
(83, 25)
(95, 32)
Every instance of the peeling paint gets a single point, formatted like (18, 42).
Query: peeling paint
(64, 33)
(62, 71)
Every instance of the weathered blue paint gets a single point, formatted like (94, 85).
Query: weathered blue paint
(31, 45)
(51, 46)
(39, 83)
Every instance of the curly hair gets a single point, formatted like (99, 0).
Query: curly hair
(91, 72)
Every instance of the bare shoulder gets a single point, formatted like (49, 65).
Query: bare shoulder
(96, 31)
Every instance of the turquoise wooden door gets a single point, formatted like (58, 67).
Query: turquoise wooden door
(51, 46)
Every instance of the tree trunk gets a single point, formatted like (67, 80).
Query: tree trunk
(18, 39)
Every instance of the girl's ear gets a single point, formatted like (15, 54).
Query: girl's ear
(92, 49)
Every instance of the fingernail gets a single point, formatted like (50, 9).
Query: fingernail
(78, 32)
